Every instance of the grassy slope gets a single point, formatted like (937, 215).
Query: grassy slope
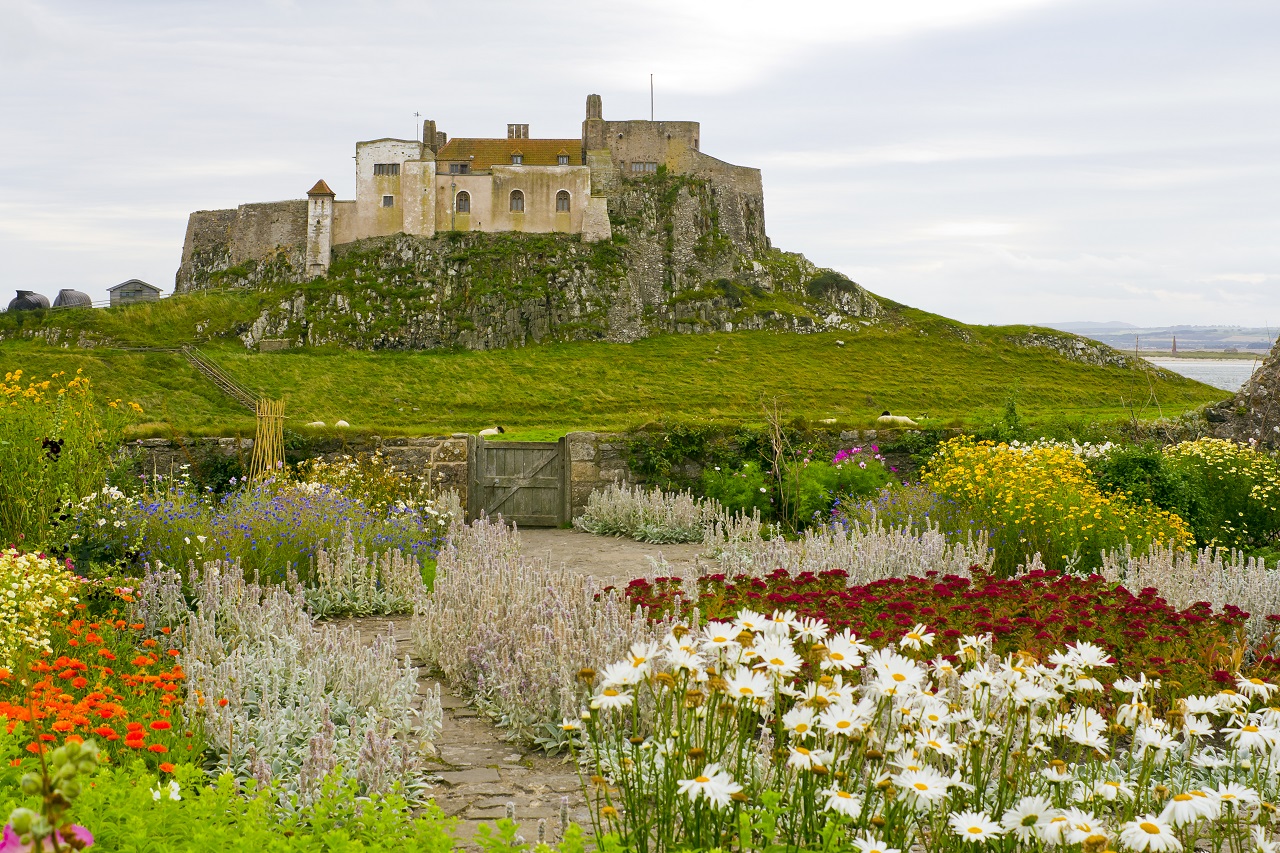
(919, 366)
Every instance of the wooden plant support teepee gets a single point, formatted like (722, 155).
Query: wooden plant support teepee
(268, 443)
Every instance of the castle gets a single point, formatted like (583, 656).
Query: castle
(435, 185)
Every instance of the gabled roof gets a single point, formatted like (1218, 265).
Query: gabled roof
(133, 281)
(321, 188)
(487, 153)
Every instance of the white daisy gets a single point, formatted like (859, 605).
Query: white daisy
(1081, 825)
(748, 620)
(811, 630)
(621, 674)
(974, 827)
(1149, 832)
(924, 786)
(777, 657)
(917, 638)
(841, 654)
(719, 635)
(800, 722)
(868, 844)
(1252, 736)
(712, 783)
(611, 698)
(802, 758)
(754, 686)
(1029, 817)
(1255, 688)
(842, 802)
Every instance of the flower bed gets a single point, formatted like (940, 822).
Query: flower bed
(1032, 614)
(36, 593)
(777, 733)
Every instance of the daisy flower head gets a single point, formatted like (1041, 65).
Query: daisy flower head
(1262, 844)
(842, 653)
(803, 758)
(780, 623)
(748, 620)
(842, 720)
(1252, 736)
(719, 635)
(1236, 796)
(917, 638)
(800, 721)
(924, 786)
(842, 802)
(611, 699)
(750, 686)
(1111, 790)
(894, 673)
(1029, 818)
(870, 844)
(974, 827)
(777, 657)
(683, 660)
(1254, 688)
(643, 654)
(713, 784)
(811, 630)
(1189, 807)
(1149, 832)
(621, 674)
(1081, 826)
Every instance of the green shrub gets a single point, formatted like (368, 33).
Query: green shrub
(745, 490)
(1236, 492)
(1145, 474)
(811, 487)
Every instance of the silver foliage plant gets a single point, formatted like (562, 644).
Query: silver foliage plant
(514, 634)
(1219, 577)
(348, 582)
(648, 515)
(868, 552)
(284, 699)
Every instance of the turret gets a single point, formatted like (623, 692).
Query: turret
(319, 229)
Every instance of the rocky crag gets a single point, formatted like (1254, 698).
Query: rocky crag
(685, 257)
(1252, 416)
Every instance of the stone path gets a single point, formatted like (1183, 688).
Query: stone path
(480, 772)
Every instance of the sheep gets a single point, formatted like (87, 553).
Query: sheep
(888, 420)
(492, 431)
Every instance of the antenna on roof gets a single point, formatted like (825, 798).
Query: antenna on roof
(650, 97)
(416, 115)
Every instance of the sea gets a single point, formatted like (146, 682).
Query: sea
(1225, 373)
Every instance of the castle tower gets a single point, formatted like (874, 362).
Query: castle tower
(593, 127)
(319, 229)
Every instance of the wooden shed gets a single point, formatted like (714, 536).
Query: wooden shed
(133, 290)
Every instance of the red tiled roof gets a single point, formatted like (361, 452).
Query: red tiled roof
(486, 153)
(321, 188)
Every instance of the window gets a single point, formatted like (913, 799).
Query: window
(517, 201)
(388, 169)
(642, 167)
(462, 202)
(562, 201)
(459, 168)
(562, 160)
(517, 159)
(388, 201)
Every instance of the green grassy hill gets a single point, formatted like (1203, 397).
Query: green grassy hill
(918, 365)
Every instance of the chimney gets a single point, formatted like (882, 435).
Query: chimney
(429, 134)
(517, 131)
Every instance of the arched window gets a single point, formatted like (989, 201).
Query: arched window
(562, 201)
(517, 201)
(462, 202)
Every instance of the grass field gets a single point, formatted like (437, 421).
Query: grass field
(921, 368)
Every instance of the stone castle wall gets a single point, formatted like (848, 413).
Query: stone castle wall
(264, 235)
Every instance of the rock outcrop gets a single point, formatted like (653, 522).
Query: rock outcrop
(1252, 416)
(681, 260)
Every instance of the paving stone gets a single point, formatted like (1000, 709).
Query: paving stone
(475, 775)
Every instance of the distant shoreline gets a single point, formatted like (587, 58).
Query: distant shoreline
(1250, 356)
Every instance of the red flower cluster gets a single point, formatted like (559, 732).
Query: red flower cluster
(93, 694)
(1036, 613)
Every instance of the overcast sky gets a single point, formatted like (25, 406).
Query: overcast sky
(997, 161)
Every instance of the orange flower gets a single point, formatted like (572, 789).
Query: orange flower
(174, 652)
(166, 767)
(165, 630)
(160, 725)
(158, 747)
(80, 683)
(62, 726)
(222, 703)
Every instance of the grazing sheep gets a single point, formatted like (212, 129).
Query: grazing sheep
(341, 424)
(888, 420)
(492, 431)
(316, 424)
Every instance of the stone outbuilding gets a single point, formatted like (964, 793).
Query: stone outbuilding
(133, 290)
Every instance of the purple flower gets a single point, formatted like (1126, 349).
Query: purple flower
(11, 843)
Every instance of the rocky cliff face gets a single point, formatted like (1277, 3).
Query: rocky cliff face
(1252, 416)
(685, 258)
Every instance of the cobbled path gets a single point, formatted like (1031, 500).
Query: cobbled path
(480, 773)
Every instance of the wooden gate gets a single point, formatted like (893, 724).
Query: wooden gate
(523, 481)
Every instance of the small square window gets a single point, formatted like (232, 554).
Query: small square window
(562, 160)
(388, 201)
(517, 159)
